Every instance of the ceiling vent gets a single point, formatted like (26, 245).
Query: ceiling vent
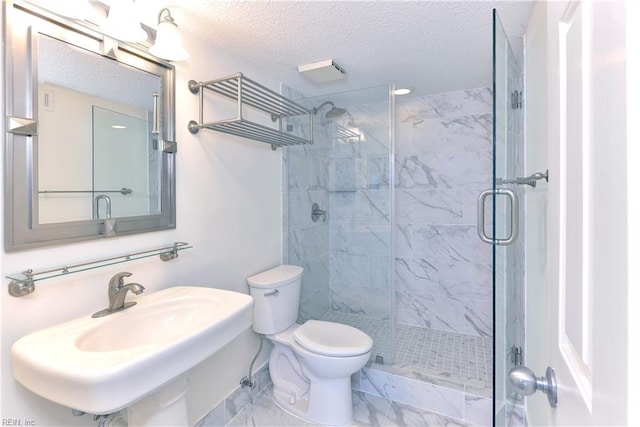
(322, 71)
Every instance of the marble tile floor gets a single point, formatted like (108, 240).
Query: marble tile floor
(368, 410)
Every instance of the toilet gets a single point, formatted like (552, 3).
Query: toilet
(310, 364)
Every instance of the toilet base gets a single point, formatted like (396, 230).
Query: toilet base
(328, 402)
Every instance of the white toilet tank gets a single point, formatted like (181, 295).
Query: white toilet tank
(276, 296)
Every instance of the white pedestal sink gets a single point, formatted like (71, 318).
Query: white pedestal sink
(135, 358)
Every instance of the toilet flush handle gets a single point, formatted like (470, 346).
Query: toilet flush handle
(273, 293)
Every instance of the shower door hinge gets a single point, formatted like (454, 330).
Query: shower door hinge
(516, 99)
(517, 356)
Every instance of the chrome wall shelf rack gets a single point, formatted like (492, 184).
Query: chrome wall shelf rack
(24, 283)
(247, 92)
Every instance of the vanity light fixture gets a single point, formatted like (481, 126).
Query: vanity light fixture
(168, 44)
(75, 9)
(123, 22)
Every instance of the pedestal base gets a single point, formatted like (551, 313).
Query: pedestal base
(164, 407)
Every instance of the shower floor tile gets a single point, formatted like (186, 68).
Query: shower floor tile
(463, 359)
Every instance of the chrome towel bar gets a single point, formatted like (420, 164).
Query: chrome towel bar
(24, 283)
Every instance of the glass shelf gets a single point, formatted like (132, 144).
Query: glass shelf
(23, 283)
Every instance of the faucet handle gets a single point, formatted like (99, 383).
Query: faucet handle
(117, 280)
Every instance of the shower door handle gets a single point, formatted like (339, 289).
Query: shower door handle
(515, 214)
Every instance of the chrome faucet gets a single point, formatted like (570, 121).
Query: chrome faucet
(117, 293)
(107, 200)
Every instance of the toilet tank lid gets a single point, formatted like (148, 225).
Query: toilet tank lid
(278, 276)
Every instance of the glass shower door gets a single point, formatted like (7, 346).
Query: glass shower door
(339, 214)
(507, 240)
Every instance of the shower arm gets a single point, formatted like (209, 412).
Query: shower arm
(318, 108)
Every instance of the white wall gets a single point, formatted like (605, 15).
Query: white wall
(633, 159)
(228, 207)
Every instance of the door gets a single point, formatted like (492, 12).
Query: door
(578, 226)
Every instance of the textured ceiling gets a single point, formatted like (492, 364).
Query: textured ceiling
(434, 46)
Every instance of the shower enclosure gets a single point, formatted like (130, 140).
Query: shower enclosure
(508, 257)
(339, 213)
(381, 211)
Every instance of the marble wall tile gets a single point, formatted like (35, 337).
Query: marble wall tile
(360, 239)
(464, 170)
(370, 207)
(377, 172)
(347, 174)
(446, 105)
(314, 295)
(348, 269)
(478, 317)
(429, 310)
(478, 410)
(363, 301)
(463, 134)
(470, 207)
(299, 209)
(443, 161)
(461, 243)
(314, 241)
(449, 243)
(400, 415)
(417, 171)
(403, 240)
(414, 393)
(417, 275)
(298, 171)
(518, 417)
(428, 206)
(380, 272)
(426, 243)
(294, 247)
(464, 279)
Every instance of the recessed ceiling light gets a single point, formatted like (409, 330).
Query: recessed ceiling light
(118, 126)
(403, 91)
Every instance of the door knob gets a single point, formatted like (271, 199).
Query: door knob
(523, 379)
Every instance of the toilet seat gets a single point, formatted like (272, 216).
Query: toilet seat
(332, 339)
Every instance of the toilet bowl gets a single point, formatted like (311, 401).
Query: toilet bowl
(310, 364)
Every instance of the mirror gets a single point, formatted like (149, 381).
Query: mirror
(110, 155)
(90, 145)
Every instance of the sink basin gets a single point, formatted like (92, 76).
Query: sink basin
(103, 365)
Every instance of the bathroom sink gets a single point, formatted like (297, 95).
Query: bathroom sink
(102, 365)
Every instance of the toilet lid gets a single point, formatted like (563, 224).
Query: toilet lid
(332, 339)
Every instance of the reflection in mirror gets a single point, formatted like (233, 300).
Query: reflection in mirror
(109, 104)
(90, 148)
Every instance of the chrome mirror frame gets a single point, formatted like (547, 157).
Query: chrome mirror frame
(21, 228)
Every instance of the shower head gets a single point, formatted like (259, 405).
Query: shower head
(333, 113)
